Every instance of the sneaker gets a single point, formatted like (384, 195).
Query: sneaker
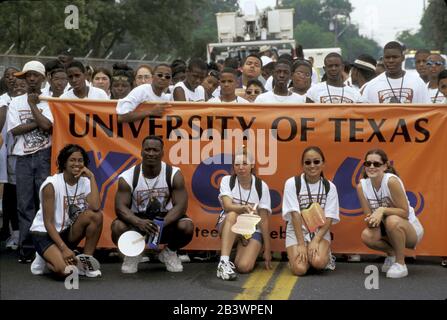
(225, 270)
(144, 259)
(88, 266)
(171, 260)
(354, 258)
(26, 257)
(130, 264)
(397, 271)
(331, 263)
(39, 266)
(389, 261)
(184, 258)
(13, 241)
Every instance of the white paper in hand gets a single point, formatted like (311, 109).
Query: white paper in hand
(131, 243)
(246, 223)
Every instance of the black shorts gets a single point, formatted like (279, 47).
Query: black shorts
(42, 240)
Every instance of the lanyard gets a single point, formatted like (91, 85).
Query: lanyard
(309, 193)
(240, 194)
(342, 93)
(400, 90)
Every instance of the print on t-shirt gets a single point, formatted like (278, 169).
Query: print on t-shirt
(80, 201)
(335, 99)
(33, 140)
(304, 200)
(389, 96)
(384, 202)
(142, 198)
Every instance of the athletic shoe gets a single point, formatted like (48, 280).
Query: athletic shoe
(184, 258)
(171, 260)
(88, 266)
(354, 258)
(389, 261)
(130, 264)
(397, 271)
(39, 266)
(331, 263)
(144, 259)
(225, 270)
(13, 241)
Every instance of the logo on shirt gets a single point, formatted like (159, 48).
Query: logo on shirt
(405, 95)
(36, 139)
(347, 177)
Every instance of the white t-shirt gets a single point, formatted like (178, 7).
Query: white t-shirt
(93, 93)
(411, 90)
(137, 96)
(237, 100)
(149, 188)
(268, 86)
(328, 202)
(250, 197)
(19, 112)
(319, 93)
(46, 91)
(192, 96)
(5, 99)
(270, 97)
(61, 200)
(436, 96)
(384, 198)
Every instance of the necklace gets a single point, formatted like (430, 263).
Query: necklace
(240, 193)
(392, 90)
(342, 93)
(379, 200)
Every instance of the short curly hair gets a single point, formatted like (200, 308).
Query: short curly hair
(66, 152)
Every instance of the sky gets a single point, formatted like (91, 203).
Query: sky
(373, 21)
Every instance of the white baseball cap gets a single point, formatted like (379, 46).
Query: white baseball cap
(34, 65)
(265, 60)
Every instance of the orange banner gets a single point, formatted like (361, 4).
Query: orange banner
(413, 137)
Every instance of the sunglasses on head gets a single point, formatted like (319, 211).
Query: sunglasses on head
(253, 91)
(166, 76)
(432, 63)
(315, 162)
(376, 164)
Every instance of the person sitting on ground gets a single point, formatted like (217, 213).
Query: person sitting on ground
(191, 89)
(125, 108)
(391, 222)
(69, 212)
(153, 189)
(239, 193)
(228, 84)
(79, 88)
(309, 249)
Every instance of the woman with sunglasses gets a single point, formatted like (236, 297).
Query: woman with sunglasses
(126, 107)
(69, 212)
(435, 64)
(238, 195)
(253, 90)
(309, 249)
(391, 222)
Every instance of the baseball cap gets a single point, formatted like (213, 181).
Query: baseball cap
(264, 48)
(265, 60)
(366, 62)
(31, 66)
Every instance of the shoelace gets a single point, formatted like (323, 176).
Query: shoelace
(229, 267)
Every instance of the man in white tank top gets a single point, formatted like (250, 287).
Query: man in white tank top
(145, 195)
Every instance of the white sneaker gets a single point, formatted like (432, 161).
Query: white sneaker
(225, 270)
(331, 263)
(397, 271)
(354, 258)
(389, 261)
(171, 260)
(88, 266)
(184, 258)
(13, 241)
(39, 266)
(130, 264)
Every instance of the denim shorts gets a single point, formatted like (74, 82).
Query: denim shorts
(42, 240)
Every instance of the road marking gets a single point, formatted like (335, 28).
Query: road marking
(283, 285)
(255, 284)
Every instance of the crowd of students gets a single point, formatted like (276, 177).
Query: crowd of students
(26, 123)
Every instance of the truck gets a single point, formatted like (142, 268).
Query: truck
(249, 30)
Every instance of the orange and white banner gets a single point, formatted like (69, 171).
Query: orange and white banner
(413, 136)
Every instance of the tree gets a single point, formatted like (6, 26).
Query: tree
(413, 41)
(433, 24)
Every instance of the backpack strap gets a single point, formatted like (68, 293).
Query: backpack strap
(168, 180)
(326, 185)
(136, 175)
(298, 186)
(258, 185)
(232, 181)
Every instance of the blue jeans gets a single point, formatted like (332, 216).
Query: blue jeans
(31, 172)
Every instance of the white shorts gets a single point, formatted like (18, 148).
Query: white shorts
(419, 230)
(291, 237)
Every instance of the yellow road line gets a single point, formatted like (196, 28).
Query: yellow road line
(255, 284)
(283, 285)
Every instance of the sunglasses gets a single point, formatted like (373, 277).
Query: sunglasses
(433, 63)
(253, 91)
(376, 164)
(166, 76)
(315, 162)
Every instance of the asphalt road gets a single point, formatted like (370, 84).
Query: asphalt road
(426, 281)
